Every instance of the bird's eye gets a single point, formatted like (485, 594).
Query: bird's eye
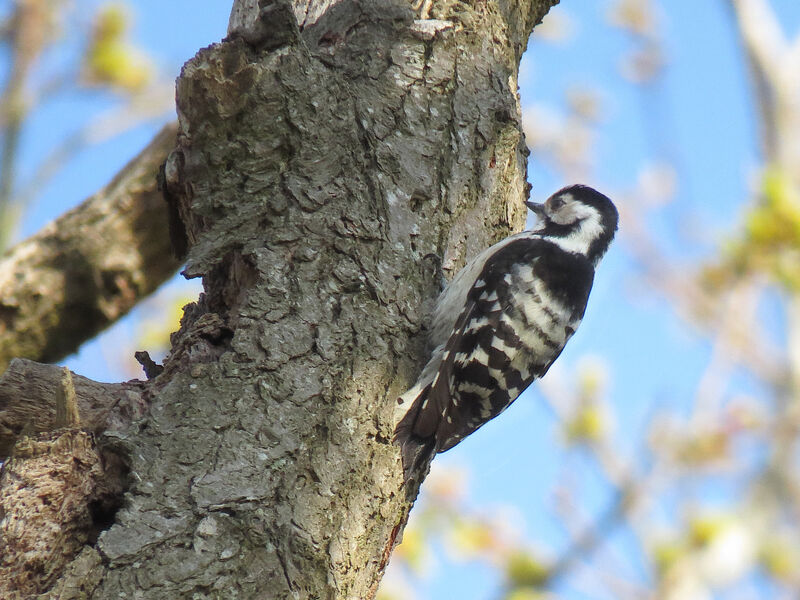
(556, 203)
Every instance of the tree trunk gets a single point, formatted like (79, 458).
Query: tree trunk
(325, 151)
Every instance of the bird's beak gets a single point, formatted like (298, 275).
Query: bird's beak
(538, 209)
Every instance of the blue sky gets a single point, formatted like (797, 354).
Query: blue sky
(171, 32)
(705, 125)
(701, 117)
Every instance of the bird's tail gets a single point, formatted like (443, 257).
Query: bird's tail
(417, 452)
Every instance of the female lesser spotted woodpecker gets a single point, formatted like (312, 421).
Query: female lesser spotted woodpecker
(503, 320)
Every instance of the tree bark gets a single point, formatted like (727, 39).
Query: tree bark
(88, 268)
(325, 151)
(28, 402)
(55, 495)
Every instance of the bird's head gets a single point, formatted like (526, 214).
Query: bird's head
(578, 219)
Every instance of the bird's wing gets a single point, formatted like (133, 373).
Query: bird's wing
(477, 380)
(437, 400)
(416, 431)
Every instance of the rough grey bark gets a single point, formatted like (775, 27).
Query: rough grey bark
(88, 268)
(28, 402)
(54, 496)
(325, 151)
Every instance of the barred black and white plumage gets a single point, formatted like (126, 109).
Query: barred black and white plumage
(503, 320)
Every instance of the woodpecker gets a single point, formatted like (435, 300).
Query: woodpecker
(503, 320)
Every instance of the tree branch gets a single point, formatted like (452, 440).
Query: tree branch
(59, 489)
(87, 269)
(29, 396)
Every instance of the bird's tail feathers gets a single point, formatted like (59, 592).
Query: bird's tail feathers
(417, 456)
(417, 452)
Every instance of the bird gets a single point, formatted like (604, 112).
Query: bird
(502, 322)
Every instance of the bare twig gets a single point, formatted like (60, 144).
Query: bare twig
(150, 106)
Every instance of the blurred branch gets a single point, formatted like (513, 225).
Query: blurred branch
(145, 106)
(761, 32)
(793, 343)
(590, 538)
(774, 65)
(91, 266)
(28, 36)
(761, 39)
